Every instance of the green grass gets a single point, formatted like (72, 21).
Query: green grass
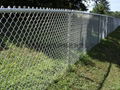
(25, 69)
(99, 69)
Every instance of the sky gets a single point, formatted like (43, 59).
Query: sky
(114, 5)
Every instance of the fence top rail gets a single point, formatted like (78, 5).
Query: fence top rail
(28, 9)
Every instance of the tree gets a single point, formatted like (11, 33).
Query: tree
(77, 4)
(64, 4)
(101, 7)
(115, 14)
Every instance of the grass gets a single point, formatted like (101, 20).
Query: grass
(99, 69)
(25, 69)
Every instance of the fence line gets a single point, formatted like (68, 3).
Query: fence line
(36, 45)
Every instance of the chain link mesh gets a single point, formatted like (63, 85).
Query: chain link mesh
(37, 45)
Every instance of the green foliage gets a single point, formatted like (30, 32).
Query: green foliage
(115, 14)
(68, 4)
(101, 7)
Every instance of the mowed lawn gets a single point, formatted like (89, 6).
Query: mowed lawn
(98, 70)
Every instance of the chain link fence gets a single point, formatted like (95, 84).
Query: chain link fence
(37, 45)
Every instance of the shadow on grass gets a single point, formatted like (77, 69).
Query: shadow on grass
(105, 77)
(109, 49)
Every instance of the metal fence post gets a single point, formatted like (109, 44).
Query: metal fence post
(106, 29)
(68, 37)
(99, 30)
(84, 30)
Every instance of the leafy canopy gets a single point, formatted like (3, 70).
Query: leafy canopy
(101, 7)
(65, 4)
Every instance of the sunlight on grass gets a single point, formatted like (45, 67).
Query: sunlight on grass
(99, 69)
(22, 68)
(27, 69)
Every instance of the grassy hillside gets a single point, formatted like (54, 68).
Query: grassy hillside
(25, 69)
(98, 70)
